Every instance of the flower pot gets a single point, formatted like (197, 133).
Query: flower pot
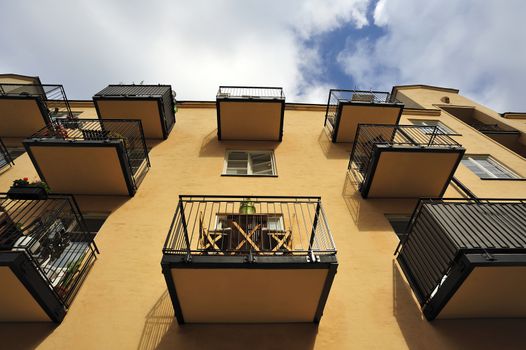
(247, 207)
(27, 192)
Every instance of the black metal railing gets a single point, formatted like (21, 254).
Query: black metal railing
(129, 132)
(250, 92)
(369, 136)
(483, 127)
(53, 235)
(259, 225)
(5, 157)
(53, 96)
(339, 96)
(441, 229)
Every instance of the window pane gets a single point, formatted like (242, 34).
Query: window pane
(261, 163)
(441, 127)
(474, 168)
(249, 163)
(487, 168)
(238, 156)
(237, 163)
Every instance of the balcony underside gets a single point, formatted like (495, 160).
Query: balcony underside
(467, 258)
(351, 114)
(20, 117)
(229, 290)
(410, 172)
(489, 292)
(147, 110)
(479, 288)
(88, 168)
(24, 295)
(250, 120)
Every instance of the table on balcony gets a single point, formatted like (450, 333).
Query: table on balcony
(260, 232)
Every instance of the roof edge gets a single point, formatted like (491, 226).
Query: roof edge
(423, 86)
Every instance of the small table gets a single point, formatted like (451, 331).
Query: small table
(260, 232)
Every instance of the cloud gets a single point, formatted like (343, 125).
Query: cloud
(471, 45)
(194, 45)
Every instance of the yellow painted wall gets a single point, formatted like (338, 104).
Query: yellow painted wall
(123, 303)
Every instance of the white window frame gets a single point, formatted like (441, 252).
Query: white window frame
(249, 163)
(474, 159)
(443, 129)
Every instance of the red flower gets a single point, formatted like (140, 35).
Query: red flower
(26, 179)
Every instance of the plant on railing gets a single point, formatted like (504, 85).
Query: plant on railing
(247, 207)
(24, 182)
(72, 268)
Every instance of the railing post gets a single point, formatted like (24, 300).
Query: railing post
(185, 228)
(402, 131)
(327, 109)
(433, 135)
(314, 227)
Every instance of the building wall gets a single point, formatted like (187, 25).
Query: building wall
(124, 304)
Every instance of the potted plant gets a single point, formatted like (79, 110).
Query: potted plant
(72, 268)
(247, 207)
(23, 189)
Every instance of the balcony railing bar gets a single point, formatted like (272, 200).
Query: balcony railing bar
(369, 135)
(250, 92)
(274, 226)
(469, 226)
(129, 132)
(339, 96)
(53, 235)
(5, 157)
(52, 95)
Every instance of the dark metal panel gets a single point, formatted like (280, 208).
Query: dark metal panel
(134, 90)
(444, 231)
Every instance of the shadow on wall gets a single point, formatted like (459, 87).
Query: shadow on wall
(333, 150)
(161, 331)
(368, 214)
(210, 147)
(454, 333)
(100, 204)
(14, 336)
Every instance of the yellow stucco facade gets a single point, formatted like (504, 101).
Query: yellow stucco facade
(124, 304)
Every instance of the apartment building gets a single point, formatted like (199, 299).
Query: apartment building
(377, 220)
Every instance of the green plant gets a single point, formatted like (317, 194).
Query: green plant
(25, 183)
(72, 269)
(247, 206)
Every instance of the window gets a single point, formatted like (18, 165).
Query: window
(441, 127)
(487, 168)
(255, 163)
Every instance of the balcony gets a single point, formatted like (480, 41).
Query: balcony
(250, 113)
(467, 258)
(230, 259)
(90, 156)
(45, 255)
(26, 108)
(153, 105)
(346, 109)
(5, 157)
(403, 161)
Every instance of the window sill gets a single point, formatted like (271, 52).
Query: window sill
(241, 175)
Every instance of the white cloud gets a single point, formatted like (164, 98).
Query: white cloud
(193, 45)
(472, 45)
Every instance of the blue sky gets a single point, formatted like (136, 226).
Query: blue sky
(306, 46)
